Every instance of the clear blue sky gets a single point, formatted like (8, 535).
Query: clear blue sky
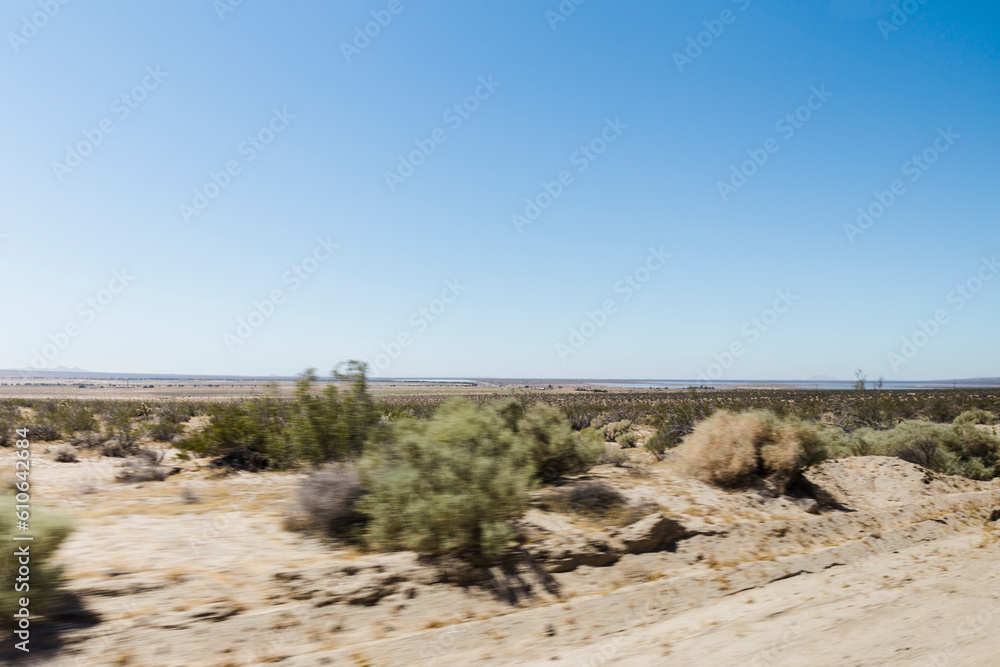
(883, 87)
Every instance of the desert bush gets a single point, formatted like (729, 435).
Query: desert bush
(335, 424)
(167, 428)
(615, 430)
(114, 449)
(270, 432)
(736, 450)
(952, 449)
(600, 421)
(250, 435)
(8, 423)
(123, 426)
(48, 530)
(627, 440)
(976, 416)
(555, 448)
(327, 501)
(613, 455)
(451, 482)
(66, 454)
(675, 420)
(87, 439)
(145, 466)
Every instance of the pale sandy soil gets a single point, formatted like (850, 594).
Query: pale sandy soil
(909, 577)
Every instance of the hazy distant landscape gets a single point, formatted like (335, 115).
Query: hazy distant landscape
(537, 332)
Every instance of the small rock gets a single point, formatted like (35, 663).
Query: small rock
(808, 505)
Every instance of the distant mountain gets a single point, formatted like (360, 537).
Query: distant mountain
(821, 378)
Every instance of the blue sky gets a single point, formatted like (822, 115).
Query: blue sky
(111, 261)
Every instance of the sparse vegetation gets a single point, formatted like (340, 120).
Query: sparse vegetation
(555, 448)
(145, 466)
(66, 454)
(734, 450)
(617, 429)
(269, 432)
(952, 449)
(327, 502)
(49, 531)
(451, 482)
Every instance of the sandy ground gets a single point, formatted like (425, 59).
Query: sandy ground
(909, 577)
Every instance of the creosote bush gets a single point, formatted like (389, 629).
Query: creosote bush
(975, 417)
(615, 430)
(454, 481)
(271, 433)
(327, 502)
(952, 449)
(555, 448)
(627, 440)
(736, 450)
(451, 482)
(66, 454)
(49, 531)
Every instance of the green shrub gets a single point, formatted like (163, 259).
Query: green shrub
(250, 435)
(976, 416)
(736, 450)
(674, 421)
(451, 482)
(269, 432)
(335, 424)
(627, 440)
(555, 448)
(615, 430)
(952, 449)
(49, 530)
(613, 455)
